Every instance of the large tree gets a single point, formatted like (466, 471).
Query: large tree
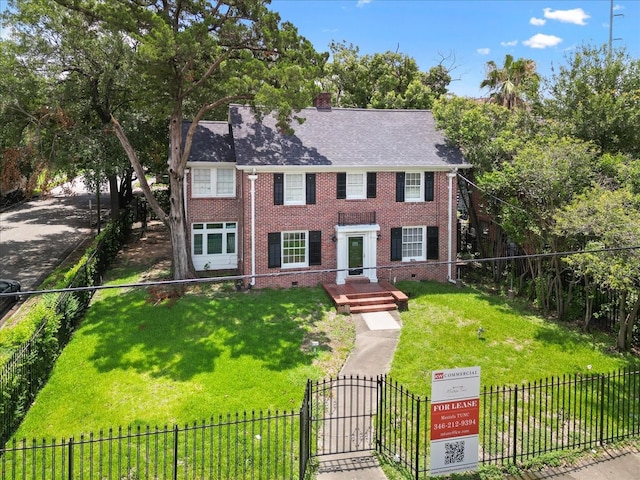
(605, 221)
(514, 84)
(382, 80)
(524, 196)
(596, 97)
(84, 74)
(191, 57)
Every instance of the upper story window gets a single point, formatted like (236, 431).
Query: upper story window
(356, 185)
(353, 186)
(213, 182)
(415, 186)
(294, 188)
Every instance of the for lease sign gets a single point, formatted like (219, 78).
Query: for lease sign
(455, 408)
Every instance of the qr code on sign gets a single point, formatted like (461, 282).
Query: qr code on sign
(454, 452)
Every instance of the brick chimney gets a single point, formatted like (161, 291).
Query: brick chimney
(323, 101)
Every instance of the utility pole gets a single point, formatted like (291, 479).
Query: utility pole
(611, 15)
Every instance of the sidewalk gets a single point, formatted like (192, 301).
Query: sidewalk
(376, 340)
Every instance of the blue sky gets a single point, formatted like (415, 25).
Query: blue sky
(475, 31)
(468, 32)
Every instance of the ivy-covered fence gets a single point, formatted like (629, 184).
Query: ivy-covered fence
(56, 316)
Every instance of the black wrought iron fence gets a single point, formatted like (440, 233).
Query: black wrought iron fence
(256, 445)
(347, 414)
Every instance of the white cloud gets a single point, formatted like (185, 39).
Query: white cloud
(538, 22)
(618, 7)
(576, 15)
(512, 43)
(540, 40)
(484, 51)
(362, 3)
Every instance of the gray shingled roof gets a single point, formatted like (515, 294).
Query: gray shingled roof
(343, 137)
(211, 142)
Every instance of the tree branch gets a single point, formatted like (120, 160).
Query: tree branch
(137, 166)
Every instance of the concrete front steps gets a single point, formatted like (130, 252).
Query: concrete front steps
(361, 296)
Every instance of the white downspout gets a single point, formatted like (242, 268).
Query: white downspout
(184, 194)
(252, 178)
(451, 175)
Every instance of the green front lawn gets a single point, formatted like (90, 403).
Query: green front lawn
(206, 354)
(440, 330)
(215, 351)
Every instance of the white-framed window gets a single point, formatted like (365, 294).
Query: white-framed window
(216, 238)
(413, 187)
(294, 249)
(213, 182)
(356, 186)
(413, 243)
(294, 189)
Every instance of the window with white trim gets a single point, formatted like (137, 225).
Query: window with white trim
(294, 191)
(413, 187)
(213, 182)
(413, 243)
(218, 238)
(294, 249)
(356, 186)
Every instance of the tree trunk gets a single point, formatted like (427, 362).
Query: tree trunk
(626, 324)
(182, 265)
(588, 310)
(623, 319)
(114, 197)
(633, 315)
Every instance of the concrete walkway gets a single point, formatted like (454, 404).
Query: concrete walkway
(376, 340)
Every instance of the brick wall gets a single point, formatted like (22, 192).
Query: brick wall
(323, 216)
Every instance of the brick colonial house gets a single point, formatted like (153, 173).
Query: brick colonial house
(353, 193)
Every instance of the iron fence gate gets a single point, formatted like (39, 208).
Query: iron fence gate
(342, 415)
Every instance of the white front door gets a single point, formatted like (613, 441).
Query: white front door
(357, 247)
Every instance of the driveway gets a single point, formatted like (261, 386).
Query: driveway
(36, 235)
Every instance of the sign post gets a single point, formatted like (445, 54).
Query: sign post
(455, 412)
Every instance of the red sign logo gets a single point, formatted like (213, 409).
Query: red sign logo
(439, 375)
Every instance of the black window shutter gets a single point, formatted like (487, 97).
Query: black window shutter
(315, 247)
(274, 250)
(371, 184)
(311, 188)
(428, 186)
(341, 188)
(399, 186)
(278, 189)
(396, 244)
(432, 243)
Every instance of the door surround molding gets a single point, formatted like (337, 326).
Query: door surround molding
(369, 234)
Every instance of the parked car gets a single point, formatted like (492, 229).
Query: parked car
(8, 286)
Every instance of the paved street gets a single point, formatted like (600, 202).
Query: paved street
(38, 234)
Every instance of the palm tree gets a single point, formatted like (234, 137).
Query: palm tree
(510, 85)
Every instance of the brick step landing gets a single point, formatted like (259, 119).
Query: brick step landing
(363, 297)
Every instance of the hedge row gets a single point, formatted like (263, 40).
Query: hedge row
(37, 341)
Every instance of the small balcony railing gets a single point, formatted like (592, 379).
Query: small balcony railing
(356, 218)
